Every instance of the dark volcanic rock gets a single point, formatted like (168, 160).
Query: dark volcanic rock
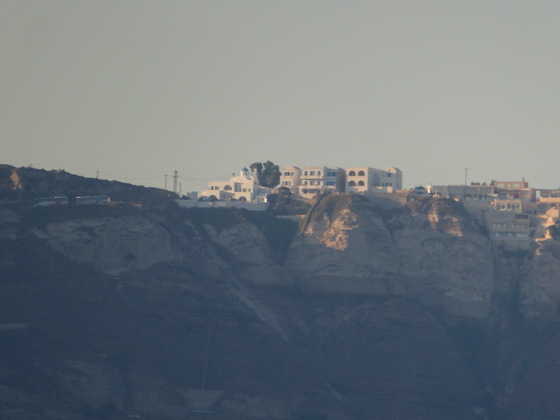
(368, 312)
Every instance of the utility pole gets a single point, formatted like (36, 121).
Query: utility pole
(180, 189)
(97, 175)
(465, 176)
(165, 188)
(175, 182)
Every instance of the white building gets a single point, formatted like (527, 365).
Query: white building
(318, 179)
(290, 178)
(363, 179)
(244, 187)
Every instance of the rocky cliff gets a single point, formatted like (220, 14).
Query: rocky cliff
(365, 309)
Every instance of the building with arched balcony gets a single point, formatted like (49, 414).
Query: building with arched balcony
(366, 179)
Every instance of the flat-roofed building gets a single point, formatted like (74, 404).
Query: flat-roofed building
(290, 178)
(513, 230)
(363, 179)
(510, 185)
(319, 179)
(473, 192)
(514, 196)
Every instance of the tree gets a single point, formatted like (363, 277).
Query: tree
(284, 191)
(268, 173)
(257, 166)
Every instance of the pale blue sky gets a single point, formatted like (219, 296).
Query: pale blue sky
(136, 89)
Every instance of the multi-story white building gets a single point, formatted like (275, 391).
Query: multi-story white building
(244, 187)
(307, 182)
(363, 179)
(317, 179)
(290, 178)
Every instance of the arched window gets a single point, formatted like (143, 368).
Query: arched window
(242, 198)
(227, 187)
(351, 173)
(352, 184)
(361, 183)
(361, 173)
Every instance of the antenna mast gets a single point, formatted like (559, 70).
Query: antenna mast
(175, 176)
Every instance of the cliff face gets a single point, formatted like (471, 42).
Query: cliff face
(364, 310)
(432, 253)
(540, 285)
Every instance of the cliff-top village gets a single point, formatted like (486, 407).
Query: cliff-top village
(514, 213)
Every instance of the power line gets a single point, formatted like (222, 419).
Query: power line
(124, 177)
(204, 179)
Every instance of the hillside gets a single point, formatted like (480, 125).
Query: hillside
(22, 185)
(365, 310)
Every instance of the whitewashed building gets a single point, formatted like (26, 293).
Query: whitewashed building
(318, 179)
(244, 187)
(290, 178)
(362, 179)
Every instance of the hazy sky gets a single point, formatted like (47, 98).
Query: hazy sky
(136, 89)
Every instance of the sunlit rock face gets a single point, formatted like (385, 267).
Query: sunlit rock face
(432, 252)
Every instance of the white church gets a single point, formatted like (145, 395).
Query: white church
(244, 187)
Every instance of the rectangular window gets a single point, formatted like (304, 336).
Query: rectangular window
(305, 172)
(389, 175)
(311, 173)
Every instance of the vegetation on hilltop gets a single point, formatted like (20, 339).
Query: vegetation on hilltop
(268, 173)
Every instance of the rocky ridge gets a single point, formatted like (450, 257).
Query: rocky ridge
(367, 309)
